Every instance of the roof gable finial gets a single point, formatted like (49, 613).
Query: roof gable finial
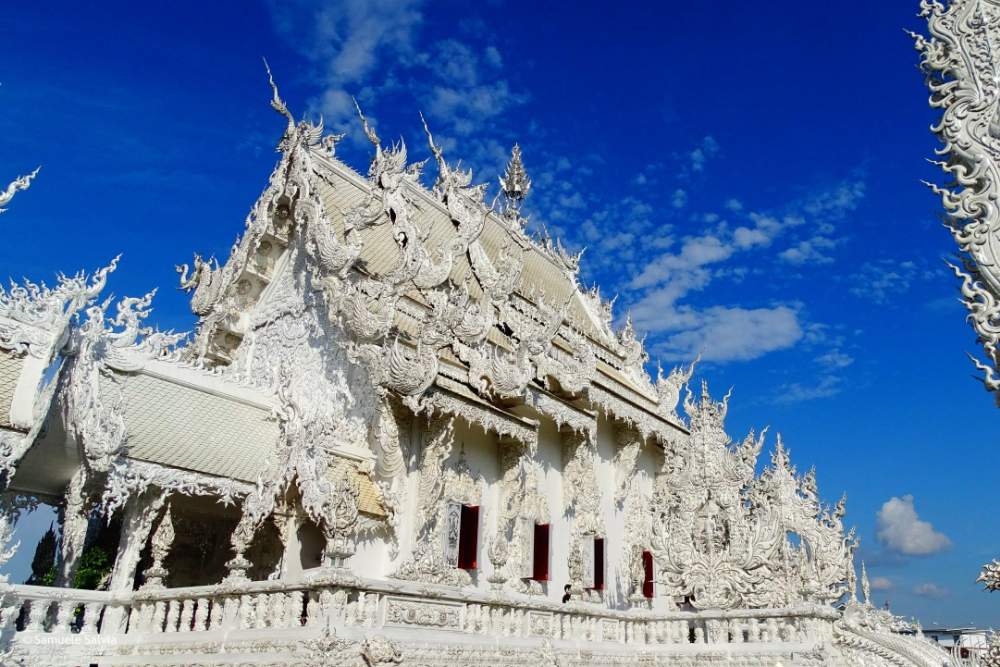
(514, 184)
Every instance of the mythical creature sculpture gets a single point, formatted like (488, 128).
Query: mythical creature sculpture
(962, 75)
(204, 281)
(668, 388)
(19, 183)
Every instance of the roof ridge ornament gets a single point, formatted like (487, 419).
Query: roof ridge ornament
(277, 103)
(515, 186)
(306, 133)
(19, 183)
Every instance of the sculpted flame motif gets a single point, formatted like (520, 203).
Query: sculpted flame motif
(961, 61)
(722, 537)
(962, 69)
(19, 183)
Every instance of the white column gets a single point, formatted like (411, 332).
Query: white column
(75, 519)
(140, 512)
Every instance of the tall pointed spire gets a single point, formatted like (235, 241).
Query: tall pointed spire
(515, 184)
(865, 586)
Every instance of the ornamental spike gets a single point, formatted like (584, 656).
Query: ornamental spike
(515, 184)
(277, 103)
(19, 183)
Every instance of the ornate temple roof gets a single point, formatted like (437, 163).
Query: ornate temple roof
(415, 269)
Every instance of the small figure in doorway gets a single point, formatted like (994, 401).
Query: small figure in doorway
(567, 596)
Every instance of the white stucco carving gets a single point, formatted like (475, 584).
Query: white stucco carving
(721, 535)
(407, 354)
(19, 183)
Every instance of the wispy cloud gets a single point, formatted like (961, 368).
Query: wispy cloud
(882, 584)
(796, 392)
(900, 529)
(376, 49)
(886, 280)
(931, 590)
(348, 42)
(723, 333)
(699, 156)
(679, 329)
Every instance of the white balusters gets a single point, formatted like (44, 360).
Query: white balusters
(293, 609)
(246, 612)
(64, 616)
(187, 615)
(91, 615)
(261, 610)
(37, 611)
(314, 608)
(198, 624)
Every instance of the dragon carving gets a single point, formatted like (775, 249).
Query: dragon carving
(205, 281)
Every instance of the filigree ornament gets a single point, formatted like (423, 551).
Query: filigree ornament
(35, 319)
(159, 548)
(18, 184)
(94, 404)
(205, 282)
(8, 547)
(990, 576)
(721, 536)
(962, 74)
(439, 483)
(515, 186)
(668, 388)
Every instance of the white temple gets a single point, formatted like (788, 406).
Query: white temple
(401, 432)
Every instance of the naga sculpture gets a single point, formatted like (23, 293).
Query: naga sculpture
(19, 183)
(959, 61)
(204, 282)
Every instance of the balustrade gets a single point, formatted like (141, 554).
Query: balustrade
(215, 612)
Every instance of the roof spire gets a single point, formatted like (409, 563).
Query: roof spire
(515, 184)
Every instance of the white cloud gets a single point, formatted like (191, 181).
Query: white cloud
(349, 40)
(882, 584)
(932, 591)
(884, 280)
(695, 253)
(719, 333)
(374, 50)
(680, 198)
(493, 57)
(809, 251)
(900, 529)
(797, 392)
(835, 359)
(680, 330)
(700, 155)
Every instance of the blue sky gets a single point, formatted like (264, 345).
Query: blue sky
(744, 175)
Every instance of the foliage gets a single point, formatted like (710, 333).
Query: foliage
(43, 567)
(94, 568)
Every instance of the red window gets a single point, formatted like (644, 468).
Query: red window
(647, 568)
(468, 537)
(541, 555)
(599, 564)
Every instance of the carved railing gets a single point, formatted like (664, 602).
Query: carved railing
(210, 613)
(41, 609)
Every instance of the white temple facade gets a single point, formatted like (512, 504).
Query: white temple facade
(402, 434)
